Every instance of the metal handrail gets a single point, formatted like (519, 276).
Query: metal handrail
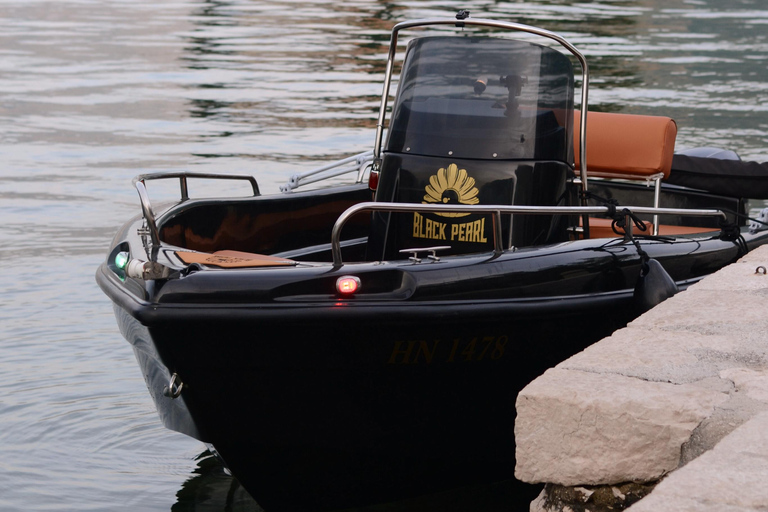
(496, 211)
(493, 24)
(146, 206)
(359, 163)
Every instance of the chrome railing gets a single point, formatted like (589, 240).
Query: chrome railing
(496, 211)
(146, 206)
(357, 163)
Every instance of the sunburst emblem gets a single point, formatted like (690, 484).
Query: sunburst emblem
(451, 186)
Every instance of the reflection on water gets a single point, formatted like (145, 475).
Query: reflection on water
(211, 489)
(93, 92)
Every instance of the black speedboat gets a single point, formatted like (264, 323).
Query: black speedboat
(363, 343)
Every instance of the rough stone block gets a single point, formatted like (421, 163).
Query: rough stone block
(684, 386)
(709, 312)
(730, 477)
(752, 383)
(576, 428)
(759, 256)
(651, 354)
(739, 276)
(676, 356)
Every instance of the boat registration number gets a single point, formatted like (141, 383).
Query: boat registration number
(448, 351)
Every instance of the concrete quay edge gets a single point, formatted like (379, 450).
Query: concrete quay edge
(679, 395)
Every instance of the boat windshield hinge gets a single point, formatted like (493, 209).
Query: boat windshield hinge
(415, 251)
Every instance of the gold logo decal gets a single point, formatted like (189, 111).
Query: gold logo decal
(451, 186)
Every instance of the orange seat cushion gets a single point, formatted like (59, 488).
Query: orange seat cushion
(627, 145)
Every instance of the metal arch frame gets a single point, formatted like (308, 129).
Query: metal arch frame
(480, 22)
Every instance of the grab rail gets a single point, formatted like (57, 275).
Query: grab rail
(496, 211)
(359, 163)
(146, 206)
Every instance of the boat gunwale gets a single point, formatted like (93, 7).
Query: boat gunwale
(152, 313)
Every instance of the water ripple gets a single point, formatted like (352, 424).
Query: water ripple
(93, 92)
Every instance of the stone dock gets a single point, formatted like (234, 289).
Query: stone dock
(667, 414)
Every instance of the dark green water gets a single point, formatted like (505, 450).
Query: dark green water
(93, 92)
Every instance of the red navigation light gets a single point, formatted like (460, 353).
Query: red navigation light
(347, 285)
(373, 180)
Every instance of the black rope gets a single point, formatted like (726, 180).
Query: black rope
(620, 220)
(743, 216)
(611, 204)
(731, 231)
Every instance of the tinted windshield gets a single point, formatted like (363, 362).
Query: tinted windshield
(483, 98)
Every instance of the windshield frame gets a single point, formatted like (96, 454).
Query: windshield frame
(480, 22)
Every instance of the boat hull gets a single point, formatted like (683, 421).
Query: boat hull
(319, 402)
(327, 407)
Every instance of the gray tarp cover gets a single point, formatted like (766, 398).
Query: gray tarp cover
(733, 178)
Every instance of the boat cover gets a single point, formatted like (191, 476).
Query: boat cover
(733, 178)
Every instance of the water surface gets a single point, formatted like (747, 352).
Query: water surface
(93, 92)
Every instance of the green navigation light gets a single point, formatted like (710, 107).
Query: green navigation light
(121, 260)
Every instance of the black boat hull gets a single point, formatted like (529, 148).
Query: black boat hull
(325, 407)
(321, 402)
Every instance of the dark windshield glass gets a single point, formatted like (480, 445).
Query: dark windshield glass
(483, 98)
